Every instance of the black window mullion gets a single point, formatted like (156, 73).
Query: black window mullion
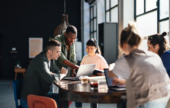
(114, 7)
(105, 10)
(90, 22)
(93, 21)
(110, 10)
(144, 6)
(158, 14)
(164, 19)
(135, 10)
(146, 12)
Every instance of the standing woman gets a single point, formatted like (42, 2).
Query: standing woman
(93, 57)
(158, 44)
(143, 73)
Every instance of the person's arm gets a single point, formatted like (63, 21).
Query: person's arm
(73, 59)
(119, 81)
(44, 71)
(166, 60)
(69, 64)
(62, 59)
(110, 72)
(73, 72)
(103, 65)
(63, 73)
(116, 81)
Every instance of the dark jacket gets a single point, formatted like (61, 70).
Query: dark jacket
(38, 79)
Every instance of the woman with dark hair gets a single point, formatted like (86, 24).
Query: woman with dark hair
(147, 82)
(93, 57)
(158, 44)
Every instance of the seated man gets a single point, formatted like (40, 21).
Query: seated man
(41, 73)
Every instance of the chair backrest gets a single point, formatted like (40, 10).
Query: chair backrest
(17, 85)
(40, 102)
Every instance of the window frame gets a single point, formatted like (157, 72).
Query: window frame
(110, 8)
(146, 12)
(92, 19)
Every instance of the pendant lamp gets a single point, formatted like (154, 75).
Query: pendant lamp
(64, 24)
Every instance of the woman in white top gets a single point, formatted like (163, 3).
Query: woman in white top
(94, 57)
(147, 83)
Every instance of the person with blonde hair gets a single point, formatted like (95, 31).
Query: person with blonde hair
(147, 82)
(158, 44)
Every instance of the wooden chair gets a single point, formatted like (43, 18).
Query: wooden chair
(40, 102)
(19, 70)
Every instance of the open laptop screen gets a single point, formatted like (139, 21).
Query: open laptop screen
(108, 80)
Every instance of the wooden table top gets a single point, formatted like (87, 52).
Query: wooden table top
(75, 91)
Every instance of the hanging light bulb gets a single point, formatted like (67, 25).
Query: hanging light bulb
(64, 24)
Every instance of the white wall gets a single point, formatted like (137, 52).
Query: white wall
(128, 14)
(100, 11)
(100, 14)
(86, 26)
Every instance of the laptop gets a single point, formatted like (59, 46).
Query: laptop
(84, 70)
(109, 83)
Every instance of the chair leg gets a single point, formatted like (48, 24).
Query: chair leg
(15, 75)
(23, 74)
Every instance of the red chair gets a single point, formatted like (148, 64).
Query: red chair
(40, 102)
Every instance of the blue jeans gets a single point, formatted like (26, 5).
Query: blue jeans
(54, 96)
(78, 104)
(153, 105)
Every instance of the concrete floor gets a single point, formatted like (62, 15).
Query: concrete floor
(7, 97)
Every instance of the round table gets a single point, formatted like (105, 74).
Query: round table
(75, 91)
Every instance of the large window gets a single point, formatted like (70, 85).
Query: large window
(111, 10)
(152, 16)
(93, 21)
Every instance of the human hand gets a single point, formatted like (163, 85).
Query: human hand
(73, 74)
(52, 73)
(63, 71)
(118, 81)
(77, 67)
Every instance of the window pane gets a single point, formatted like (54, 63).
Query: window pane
(91, 36)
(139, 7)
(107, 17)
(91, 9)
(107, 4)
(91, 25)
(147, 25)
(164, 27)
(114, 15)
(95, 35)
(151, 4)
(164, 9)
(95, 10)
(94, 24)
(114, 2)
